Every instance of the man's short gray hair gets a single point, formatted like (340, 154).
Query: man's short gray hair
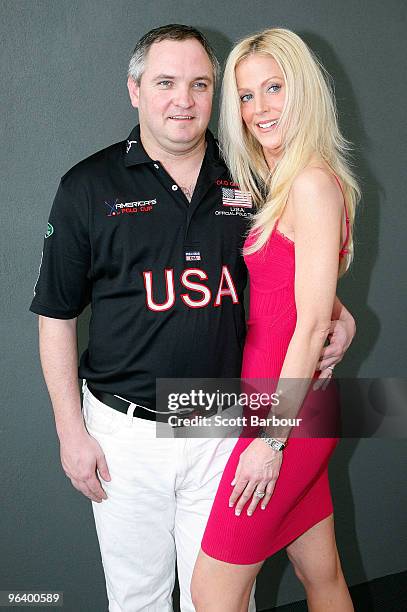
(172, 31)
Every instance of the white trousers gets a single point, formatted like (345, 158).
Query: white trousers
(159, 498)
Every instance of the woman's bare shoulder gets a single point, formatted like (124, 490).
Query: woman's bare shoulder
(317, 185)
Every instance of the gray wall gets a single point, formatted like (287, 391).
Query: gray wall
(63, 96)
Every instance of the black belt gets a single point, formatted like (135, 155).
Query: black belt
(122, 405)
(141, 412)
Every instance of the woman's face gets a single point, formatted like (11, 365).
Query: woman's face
(261, 88)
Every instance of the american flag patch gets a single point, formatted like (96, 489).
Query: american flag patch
(193, 256)
(235, 197)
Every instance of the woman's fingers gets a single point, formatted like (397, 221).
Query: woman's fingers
(269, 493)
(237, 491)
(237, 473)
(244, 496)
(246, 492)
(258, 465)
(260, 490)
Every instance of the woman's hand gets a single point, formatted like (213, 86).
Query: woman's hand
(258, 470)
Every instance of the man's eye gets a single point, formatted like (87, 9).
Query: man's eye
(200, 85)
(164, 83)
(246, 97)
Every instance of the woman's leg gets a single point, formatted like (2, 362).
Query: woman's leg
(222, 587)
(316, 563)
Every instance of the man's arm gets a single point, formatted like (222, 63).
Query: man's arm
(80, 453)
(341, 313)
(59, 360)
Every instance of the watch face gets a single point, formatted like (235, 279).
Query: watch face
(274, 444)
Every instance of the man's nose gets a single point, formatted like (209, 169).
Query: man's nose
(183, 97)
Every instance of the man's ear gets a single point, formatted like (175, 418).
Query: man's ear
(134, 91)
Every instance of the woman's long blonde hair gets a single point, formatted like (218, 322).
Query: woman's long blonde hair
(308, 123)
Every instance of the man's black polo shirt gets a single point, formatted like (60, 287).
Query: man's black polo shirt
(165, 277)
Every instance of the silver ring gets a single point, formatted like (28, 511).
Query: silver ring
(259, 494)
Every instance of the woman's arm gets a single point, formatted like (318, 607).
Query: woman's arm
(317, 205)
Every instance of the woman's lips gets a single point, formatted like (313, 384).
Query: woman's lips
(267, 125)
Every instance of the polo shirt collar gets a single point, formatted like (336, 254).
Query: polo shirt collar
(134, 152)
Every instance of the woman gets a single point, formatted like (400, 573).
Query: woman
(280, 137)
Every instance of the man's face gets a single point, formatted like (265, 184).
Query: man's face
(174, 98)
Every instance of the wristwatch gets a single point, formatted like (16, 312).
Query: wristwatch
(272, 442)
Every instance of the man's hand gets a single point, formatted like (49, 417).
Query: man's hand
(81, 455)
(340, 337)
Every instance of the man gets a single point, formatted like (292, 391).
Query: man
(146, 230)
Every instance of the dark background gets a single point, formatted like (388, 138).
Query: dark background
(63, 96)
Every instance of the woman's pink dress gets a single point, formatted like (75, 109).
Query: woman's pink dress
(301, 496)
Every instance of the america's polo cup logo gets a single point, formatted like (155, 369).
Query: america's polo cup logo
(235, 197)
(111, 207)
(116, 208)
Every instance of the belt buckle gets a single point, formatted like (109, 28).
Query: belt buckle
(194, 413)
(187, 415)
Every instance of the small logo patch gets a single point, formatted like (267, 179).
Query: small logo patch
(116, 208)
(235, 197)
(193, 256)
(50, 230)
(129, 143)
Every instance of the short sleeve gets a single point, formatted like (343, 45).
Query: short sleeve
(63, 287)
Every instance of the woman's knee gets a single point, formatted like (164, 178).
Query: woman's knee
(202, 590)
(204, 598)
(198, 593)
(217, 586)
(317, 570)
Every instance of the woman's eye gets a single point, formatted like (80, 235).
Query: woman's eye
(274, 88)
(246, 97)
